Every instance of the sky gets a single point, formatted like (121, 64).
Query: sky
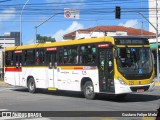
(91, 13)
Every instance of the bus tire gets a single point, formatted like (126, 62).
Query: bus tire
(89, 90)
(31, 85)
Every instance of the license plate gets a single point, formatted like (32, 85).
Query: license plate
(140, 90)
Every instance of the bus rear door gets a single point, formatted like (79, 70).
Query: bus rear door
(52, 67)
(106, 68)
(18, 67)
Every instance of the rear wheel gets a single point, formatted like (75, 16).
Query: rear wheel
(31, 85)
(89, 90)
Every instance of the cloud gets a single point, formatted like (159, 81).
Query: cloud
(7, 14)
(73, 27)
(131, 23)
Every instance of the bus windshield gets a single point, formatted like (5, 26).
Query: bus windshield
(134, 60)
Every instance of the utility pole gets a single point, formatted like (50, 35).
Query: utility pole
(142, 18)
(21, 21)
(157, 41)
(42, 24)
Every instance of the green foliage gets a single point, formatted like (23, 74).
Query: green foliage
(43, 39)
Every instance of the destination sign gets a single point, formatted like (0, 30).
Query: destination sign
(131, 41)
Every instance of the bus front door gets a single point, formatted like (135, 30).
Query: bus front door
(52, 69)
(106, 70)
(18, 68)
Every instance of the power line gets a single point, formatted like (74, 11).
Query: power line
(5, 1)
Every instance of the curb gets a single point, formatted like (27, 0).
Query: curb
(2, 83)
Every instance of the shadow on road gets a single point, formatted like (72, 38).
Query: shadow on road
(104, 97)
(130, 98)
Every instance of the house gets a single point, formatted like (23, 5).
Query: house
(100, 31)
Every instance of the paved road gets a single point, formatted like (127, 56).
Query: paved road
(19, 99)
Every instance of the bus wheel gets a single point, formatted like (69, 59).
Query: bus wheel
(31, 85)
(89, 90)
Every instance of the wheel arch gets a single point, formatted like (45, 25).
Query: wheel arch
(84, 80)
(29, 78)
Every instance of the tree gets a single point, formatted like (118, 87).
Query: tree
(43, 39)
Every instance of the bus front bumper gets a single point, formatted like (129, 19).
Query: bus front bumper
(121, 88)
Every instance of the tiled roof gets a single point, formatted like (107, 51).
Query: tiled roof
(129, 30)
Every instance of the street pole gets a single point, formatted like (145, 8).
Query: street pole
(20, 29)
(21, 21)
(157, 41)
(42, 24)
(35, 34)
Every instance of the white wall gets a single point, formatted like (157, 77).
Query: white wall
(99, 34)
(6, 42)
(153, 40)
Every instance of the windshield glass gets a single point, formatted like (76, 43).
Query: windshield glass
(134, 60)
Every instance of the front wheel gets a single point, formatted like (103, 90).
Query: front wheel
(31, 85)
(89, 90)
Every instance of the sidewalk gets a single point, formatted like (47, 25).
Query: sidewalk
(2, 83)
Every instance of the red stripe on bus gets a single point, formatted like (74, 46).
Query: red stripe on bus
(78, 68)
(13, 69)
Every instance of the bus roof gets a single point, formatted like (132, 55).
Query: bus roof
(71, 42)
(62, 43)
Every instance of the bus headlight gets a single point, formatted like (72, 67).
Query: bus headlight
(121, 81)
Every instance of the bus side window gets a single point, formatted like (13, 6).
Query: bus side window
(39, 57)
(65, 54)
(73, 55)
(29, 57)
(88, 54)
(9, 58)
(70, 55)
(60, 56)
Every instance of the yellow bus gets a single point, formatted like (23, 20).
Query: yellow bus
(110, 65)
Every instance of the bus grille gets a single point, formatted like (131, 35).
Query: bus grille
(135, 89)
